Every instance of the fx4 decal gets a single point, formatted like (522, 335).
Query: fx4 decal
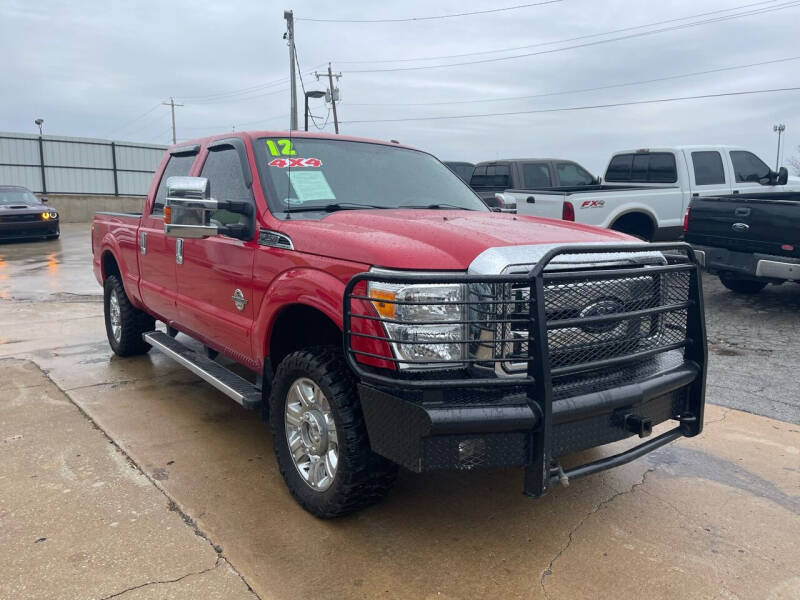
(593, 204)
(292, 163)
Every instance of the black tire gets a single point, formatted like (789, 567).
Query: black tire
(362, 477)
(636, 225)
(133, 322)
(742, 286)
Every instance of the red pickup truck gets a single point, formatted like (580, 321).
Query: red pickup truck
(388, 317)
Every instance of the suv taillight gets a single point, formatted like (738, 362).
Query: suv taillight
(568, 211)
(686, 220)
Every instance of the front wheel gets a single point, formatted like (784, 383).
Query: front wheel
(742, 286)
(320, 438)
(125, 324)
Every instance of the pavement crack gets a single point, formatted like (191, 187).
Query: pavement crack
(219, 561)
(172, 504)
(571, 534)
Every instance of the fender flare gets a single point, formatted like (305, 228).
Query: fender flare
(297, 286)
(109, 244)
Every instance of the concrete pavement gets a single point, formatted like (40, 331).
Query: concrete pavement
(716, 516)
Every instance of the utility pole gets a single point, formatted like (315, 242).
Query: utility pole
(334, 92)
(172, 106)
(289, 37)
(779, 129)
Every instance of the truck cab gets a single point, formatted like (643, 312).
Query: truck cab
(385, 317)
(647, 191)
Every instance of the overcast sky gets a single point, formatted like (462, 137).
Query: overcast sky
(93, 68)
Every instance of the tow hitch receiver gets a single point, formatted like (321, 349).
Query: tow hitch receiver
(638, 425)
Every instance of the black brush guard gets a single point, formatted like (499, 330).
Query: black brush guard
(465, 416)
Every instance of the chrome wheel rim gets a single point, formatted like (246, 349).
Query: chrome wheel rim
(114, 316)
(311, 434)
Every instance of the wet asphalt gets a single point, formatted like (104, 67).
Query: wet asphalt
(717, 516)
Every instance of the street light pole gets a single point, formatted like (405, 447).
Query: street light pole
(779, 129)
(311, 94)
(39, 122)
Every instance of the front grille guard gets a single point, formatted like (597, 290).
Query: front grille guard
(680, 318)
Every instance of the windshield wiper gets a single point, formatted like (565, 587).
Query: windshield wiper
(336, 206)
(436, 206)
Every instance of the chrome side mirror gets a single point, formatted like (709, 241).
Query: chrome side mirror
(188, 208)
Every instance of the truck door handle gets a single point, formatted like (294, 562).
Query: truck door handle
(530, 200)
(741, 211)
(696, 195)
(735, 191)
(143, 242)
(179, 251)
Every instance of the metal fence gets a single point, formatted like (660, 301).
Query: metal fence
(68, 165)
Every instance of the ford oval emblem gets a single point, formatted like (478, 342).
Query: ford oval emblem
(740, 227)
(601, 309)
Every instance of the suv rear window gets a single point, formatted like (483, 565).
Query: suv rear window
(649, 167)
(708, 168)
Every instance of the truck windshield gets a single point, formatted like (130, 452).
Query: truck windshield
(17, 197)
(308, 174)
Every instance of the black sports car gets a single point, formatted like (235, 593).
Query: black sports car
(23, 215)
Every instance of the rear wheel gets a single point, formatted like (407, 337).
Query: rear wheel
(125, 324)
(635, 224)
(320, 438)
(741, 286)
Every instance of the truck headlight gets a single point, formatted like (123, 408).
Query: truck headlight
(417, 321)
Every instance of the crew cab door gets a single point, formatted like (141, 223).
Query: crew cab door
(707, 176)
(157, 283)
(215, 274)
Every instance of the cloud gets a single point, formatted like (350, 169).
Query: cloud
(89, 68)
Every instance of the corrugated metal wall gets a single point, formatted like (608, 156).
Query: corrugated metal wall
(67, 165)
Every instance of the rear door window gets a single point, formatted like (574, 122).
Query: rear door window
(179, 165)
(662, 168)
(536, 175)
(708, 169)
(571, 174)
(748, 167)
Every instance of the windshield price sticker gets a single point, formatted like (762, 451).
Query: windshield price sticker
(291, 163)
(282, 147)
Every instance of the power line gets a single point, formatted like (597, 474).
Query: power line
(132, 121)
(577, 91)
(572, 39)
(237, 125)
(450, 16)
(583, 45)
(575, 108)
(241, 98)
(239, 91)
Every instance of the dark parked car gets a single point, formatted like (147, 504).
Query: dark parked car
(462, 169)
(23, 215)
(496, 176)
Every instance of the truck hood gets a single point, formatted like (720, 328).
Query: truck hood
(431, 239)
